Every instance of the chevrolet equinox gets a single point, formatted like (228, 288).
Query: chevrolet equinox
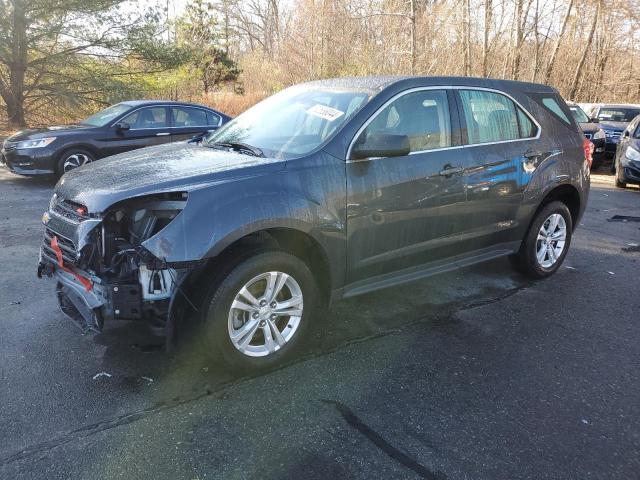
(326, 190)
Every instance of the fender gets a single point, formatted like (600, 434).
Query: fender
(552, 172)
(217, 216)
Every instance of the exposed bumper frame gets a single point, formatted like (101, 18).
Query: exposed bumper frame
(82, 306)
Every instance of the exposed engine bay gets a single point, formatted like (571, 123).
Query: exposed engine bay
(102, 267)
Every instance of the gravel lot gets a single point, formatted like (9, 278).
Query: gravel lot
(476, 374)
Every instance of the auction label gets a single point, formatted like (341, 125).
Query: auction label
(325, 112)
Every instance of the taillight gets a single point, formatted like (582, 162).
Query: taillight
(588, 148)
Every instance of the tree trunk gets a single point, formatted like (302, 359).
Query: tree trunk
(466, 38)
(585, 52)
(515, 72)
(536, 32)
(14, 98)
(413, 36)
(488, 12)
(552, 60)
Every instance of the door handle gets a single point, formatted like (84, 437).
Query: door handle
(449, 171)
(162, 134)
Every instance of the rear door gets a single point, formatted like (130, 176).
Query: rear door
(503, 144)
(405, 211)
(191, 121)
(147, 126)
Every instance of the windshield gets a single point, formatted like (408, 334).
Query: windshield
(103, 117)
(578, 114)
(618, 114)
(292, 122)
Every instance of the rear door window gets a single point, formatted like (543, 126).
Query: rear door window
(493, 117)
(189, 117)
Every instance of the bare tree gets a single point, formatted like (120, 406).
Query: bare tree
(552, 59)
(576, 77)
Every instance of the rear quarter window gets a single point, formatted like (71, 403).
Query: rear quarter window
(556, 107)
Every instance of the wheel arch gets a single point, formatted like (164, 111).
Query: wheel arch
(295, 241)
(567, 194)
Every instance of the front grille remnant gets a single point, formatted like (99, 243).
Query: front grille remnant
(71, 211)
(69, 254)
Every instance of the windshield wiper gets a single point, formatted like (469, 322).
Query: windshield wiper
(238, 146)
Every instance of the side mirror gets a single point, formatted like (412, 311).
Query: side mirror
(122, 126)
(625, 134)
(198, 138)
(594, 120)
(381, 145)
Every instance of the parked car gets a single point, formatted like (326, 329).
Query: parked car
(627, 159)
(613, 119)
(116, 129)
(592, 131)
(323, 191)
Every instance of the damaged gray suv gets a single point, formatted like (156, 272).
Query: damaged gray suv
(326, 190)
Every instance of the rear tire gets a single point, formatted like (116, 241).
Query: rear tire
(240, 327)
(547, 242)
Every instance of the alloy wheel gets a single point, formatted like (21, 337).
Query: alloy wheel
(551, 240)
(75, 160)
(265, 314)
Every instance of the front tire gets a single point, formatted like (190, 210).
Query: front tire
(620, 183)
(256, 314)
(546, 243)
(72, 159)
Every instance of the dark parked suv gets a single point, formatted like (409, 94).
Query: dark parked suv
(326, 190)
(119, 128)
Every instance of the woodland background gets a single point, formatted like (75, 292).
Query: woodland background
(63, 59)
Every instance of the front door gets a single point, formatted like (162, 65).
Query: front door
(404, 211)
(146, 127)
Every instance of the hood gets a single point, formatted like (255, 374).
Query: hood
(618, 126)
(590, 127)
(163, 168)
(34, 133)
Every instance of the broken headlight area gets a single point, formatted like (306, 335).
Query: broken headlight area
(102, 269)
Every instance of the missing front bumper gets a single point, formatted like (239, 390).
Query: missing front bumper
(83, 307)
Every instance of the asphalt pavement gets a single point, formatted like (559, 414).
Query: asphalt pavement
(475, 374)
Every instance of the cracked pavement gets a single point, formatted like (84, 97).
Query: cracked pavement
(475, 374)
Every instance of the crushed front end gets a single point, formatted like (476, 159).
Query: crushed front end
(102, 269)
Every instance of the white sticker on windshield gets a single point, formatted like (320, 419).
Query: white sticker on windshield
(325, 112)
